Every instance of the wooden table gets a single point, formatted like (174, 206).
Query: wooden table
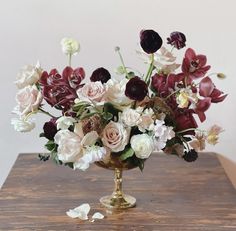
(171, 195)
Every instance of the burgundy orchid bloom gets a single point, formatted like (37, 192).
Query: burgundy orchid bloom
(194, 66)
(60, 90)
(201, 107)
(208, 89)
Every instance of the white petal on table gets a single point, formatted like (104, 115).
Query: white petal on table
(97, 215)
(80, 212)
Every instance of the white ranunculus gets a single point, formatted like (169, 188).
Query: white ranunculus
(69, 146)
(28, 75)
(65, 122)
(116, 92)
(143, 145)
(90, 155)
(70, 46)
(28, 99)
(21, 125)
(130, 117)
(115, 136)
(92, 92)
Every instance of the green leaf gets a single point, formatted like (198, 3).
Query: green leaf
(108, 107)
(141, 164)
(128, 152)
(42, 134)
(107, 115)
(131, 74)
(70, 164)
(50, 146)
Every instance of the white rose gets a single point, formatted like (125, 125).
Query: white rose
(90, 155)
(143, 145)
(92, 91)
(115, 136)
(70, 46)
(28, 99)
(65, 122)
(28, 75)
(130, 117)
(21, 125)
(116, 92)
(69, 146)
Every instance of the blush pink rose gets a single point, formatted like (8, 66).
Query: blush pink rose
(92, 91)
(28, 100)
(115, 136)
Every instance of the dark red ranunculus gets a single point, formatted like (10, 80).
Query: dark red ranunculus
(190, 156)
(60, 90)
(177, 39)
(194, 66)
(150, 41)
(50, 129)
(100, 74)
(136, 89)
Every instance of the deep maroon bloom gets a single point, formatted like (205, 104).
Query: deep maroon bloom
(136, 89)
(100, 74)
(50, 129)
(150, 41)
(194, 66)
(190, 156)
(177, 39)
(60, 90)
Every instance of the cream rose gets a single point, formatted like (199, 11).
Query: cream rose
(92, 91)
(70, 46)
(115, 136)
(116, 92)
(143, 145)
(28, 99)
(130, 117)
(28, 75)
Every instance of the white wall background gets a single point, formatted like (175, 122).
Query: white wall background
(32, 30)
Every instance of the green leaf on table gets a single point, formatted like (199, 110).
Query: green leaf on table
(128, 152)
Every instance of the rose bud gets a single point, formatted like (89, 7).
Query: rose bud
(100, 74)
(150, 41)
(136, 89)
(177, 39)
(50, 129)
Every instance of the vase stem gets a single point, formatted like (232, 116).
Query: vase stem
(117, 193)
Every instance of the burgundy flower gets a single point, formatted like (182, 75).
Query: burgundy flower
(50, 129)
(190, 156)
(201, 106)
(208, 89)
(60, 90)
(150, 41)
(136, 89)
(194, 66)
(185, 120)
(100, 74)
(177, 39)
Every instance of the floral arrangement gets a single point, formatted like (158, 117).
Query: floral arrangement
(126, 114)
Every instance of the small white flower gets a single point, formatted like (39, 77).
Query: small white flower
(185, 96)
(130, 117)
(21, 125)
(28, 75)
(146, 121)
(159, 128)
(70, 46)
(90, 155)
(143, 145)
(80, 212)
(65, 122)
(97, 215)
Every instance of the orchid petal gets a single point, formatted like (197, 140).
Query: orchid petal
(206, 87)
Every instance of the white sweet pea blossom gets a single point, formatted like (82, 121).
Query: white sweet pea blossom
(143, 145)
(70, 46)
(90, 155)
(65, 122)
(116, 92)
(164, 60)
(130, 117)
(80, 212)
(22, 125)
(28, 75)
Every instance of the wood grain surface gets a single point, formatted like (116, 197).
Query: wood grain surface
(171, 195)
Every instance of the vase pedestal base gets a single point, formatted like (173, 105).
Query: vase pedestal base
(120, 202)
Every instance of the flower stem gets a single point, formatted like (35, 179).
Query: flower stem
(70, 55)
(122, 62)
(45, 112)
(150, 69)
(186, 130)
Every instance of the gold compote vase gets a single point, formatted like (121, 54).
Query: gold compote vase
(117, 200)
